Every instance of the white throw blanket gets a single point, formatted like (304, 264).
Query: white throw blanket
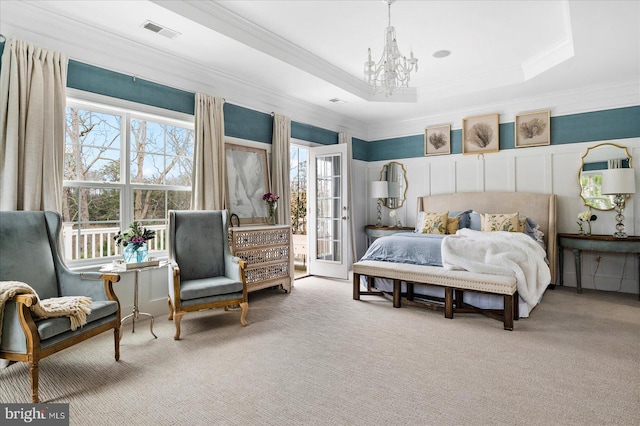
(75, 307)
(500, 253)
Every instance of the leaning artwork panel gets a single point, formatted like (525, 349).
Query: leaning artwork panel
(247, 181)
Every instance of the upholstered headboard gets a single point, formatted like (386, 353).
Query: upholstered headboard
(539, 207)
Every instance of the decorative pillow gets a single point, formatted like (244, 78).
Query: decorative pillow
(475, 221)
(522, 224)
(500, 222)
(465, 221)
(453, 224)
(434, 223)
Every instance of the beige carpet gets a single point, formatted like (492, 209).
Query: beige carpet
(317, 357)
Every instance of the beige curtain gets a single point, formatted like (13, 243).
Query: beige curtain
(32, 125)
(280, 169)
(209, 171)
(280, 166)
(346, 138)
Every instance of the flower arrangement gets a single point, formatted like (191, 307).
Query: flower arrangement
(270, 197)
(585, 217)
(135, 235)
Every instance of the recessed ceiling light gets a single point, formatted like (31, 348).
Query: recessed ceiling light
(337, 101)
(442, 54)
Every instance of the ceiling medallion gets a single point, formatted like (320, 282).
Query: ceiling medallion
(393, 70)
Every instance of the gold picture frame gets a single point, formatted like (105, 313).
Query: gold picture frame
(532, 129)
(247, 180)
(481, 134)
(437, 140)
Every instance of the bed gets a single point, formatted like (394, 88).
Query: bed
(540, 209)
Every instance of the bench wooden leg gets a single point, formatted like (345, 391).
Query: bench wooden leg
(356, 286)
(508, 312)
(409, 291)
(448, 302)
(516, 306)
(459, 298)
(396, 294)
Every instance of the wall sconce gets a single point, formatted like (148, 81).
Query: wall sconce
(621, 183)
(379, 190)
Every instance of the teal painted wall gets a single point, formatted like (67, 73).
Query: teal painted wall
(245, 123)
(104, 82)
(619, 123)
(249, 124)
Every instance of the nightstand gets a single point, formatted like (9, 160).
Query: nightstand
(597, 243)
(374, 232)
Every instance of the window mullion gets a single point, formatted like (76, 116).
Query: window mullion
(127, 194)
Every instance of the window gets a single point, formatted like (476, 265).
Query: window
(121, 166)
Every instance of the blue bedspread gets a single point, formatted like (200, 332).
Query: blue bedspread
(407, 247)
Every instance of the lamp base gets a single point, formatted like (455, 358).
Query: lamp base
(619, 201)
(379, 221)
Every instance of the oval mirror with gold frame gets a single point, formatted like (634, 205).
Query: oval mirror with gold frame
(395, 175)
(596, 159)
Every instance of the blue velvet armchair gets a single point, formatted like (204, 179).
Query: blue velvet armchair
(29, 254)
(202, 272)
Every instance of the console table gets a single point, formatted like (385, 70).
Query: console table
(597, 243)
(374, 232)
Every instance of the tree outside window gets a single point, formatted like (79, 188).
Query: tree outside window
(103, 192)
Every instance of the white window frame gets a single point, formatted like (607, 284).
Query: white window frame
(127, 110)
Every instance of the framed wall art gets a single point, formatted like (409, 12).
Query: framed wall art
(533, 129)
(480, 134)
(247, 182)
(437, 140)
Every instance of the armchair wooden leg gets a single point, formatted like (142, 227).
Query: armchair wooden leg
(177, 317)
(245, 307)
(33, 371)
(170, 308)
(116, 338)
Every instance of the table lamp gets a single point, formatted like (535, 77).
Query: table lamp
(379, 190)
(620, 183)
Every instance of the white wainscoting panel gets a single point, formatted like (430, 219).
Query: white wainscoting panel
(546, 169)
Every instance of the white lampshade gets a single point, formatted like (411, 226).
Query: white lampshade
(618, 181)
(379, 189)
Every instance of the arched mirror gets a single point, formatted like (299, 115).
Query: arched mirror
(594, 161)
(396, 177)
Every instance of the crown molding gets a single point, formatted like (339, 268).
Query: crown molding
(79, 40)
(567, 102)
(221, 20)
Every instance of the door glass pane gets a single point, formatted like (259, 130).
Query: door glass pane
(328, 202)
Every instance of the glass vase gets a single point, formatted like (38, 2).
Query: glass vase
(134, 254)
(272, 208)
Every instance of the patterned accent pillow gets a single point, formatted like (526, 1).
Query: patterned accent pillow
(500, 222)
(522, 224)
(434, 223)
(453, 224)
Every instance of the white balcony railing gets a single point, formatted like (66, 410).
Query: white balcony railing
(95, 243)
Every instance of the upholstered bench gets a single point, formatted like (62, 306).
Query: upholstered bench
(449, 279)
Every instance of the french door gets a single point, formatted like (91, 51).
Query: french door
(329, 214)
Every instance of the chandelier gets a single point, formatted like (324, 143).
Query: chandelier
(393, 70)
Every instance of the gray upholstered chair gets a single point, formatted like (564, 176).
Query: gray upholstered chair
(203, 274)
(29, 254)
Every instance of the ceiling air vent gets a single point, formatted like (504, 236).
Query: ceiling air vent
(159, 29)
